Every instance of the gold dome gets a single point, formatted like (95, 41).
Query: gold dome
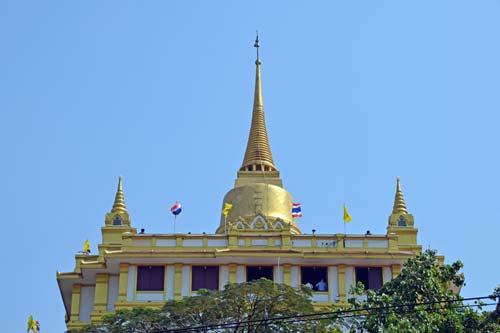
(272, 202)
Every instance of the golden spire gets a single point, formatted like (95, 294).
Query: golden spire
(119, 204)
(399, 201)
(258, 154)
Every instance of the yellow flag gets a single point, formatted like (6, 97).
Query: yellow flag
(30, 323)
(34, 327)
(227, 208)
(347, 217)
(86, 246)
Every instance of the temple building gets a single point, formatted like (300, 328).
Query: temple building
(258, 238)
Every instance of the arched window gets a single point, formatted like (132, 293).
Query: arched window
(117, 220)
(259, 223)
(239, 225)
(278, 226)
(402, 222)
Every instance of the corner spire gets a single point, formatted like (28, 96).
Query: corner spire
(258, 156)
(399, 201)
(119, 204)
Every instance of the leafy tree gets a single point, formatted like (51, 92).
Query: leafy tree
(243, 303)
(248, 305)
(137, 320)
(420, 300)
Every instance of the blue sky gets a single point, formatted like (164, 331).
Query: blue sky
(356, 93)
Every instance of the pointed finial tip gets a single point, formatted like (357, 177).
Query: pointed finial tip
(257, 45)
(119, 183)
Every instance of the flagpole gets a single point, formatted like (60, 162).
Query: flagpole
(225, 212)
(175, 219)
(279, 272)
(344, 221)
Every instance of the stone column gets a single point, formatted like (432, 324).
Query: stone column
(100, 296)
(341, 276)
(232, 273)
(123, 283)
(396, 269)
(178, 282)
(286, 273)
(75, 303)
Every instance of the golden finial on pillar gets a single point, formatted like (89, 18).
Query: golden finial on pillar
(119, 204)
(399, 201)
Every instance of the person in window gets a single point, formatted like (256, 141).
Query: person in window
(321, 285)
(308, 285)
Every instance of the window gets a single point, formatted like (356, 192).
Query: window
(315, 277)
(206, 277)
(257, 272)
(117, 220)
(401, 222)
(371, 277)
(150, 278)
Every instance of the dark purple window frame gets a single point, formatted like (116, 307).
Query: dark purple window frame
(204, 277)
(372, 277)
(313, 275)
(256, 272)
(150, 278)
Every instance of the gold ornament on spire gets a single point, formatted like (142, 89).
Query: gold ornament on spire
(258, 154)
(119, 204)
(399, 201)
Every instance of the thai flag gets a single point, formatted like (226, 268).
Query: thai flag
(296, 210)
(176, 209)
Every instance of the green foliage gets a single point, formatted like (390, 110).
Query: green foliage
(420, 300)
(129, 321)
(237, 303)
(241, 303)
(492, 319)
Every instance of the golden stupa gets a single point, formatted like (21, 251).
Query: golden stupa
(258, 189)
